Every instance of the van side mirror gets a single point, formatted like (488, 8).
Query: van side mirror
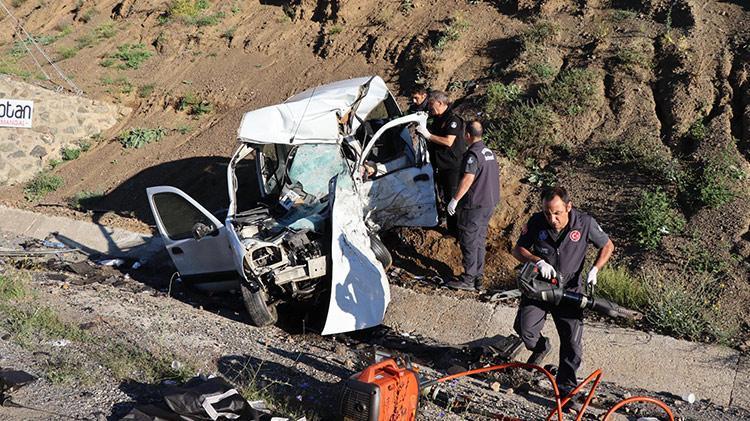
(201, 230)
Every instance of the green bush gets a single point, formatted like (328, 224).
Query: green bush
(542, 72)
(70, 153)
(631, 58)
(540, 33)
(698, 130)
(145, 91)
(571, 93)
(85, 145)
(139, 137)
(105, 31)
(42, 184)
(83, 198)
(122, 83)
(191, 12)
(654, 217)
(499, 96)
(67, 52)
(194, 105)
(406, 6)
(187, 8)
(130, 56)
(528, 130)
(718, 179)
(644, 152)
(538, 176)
(25, 324)
(622, 15)
(208, 20)
(619, 286)
(11, 288)
(451, 32)
(691, 307)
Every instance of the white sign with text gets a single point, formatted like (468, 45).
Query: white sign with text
(15, 112)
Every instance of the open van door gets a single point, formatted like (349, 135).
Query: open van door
(177, 215)
(401, 191)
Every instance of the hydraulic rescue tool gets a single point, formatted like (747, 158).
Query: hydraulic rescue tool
(533, 285)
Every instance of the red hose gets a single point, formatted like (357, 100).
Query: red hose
(512, 365)
(596, 377)
(624, 402)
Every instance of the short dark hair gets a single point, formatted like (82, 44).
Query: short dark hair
(474, 129)
(549, 193)
(419, 90)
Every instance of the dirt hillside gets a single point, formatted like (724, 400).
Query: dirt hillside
(640, 108)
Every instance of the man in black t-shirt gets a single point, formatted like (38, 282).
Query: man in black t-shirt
(556, 240)
(447, 147)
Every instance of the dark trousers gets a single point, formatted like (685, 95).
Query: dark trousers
(569, 323)
(446, 181)
(472, 236)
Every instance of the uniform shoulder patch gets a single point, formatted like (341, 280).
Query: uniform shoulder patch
(470, 160)
(454, 124)
(575, 236)
(525, 229)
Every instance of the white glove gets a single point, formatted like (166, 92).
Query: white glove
(452, 207)
(591, 279)
(422, 130)
(546, 269)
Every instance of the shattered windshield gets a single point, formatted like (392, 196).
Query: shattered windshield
(307, 168)
(311, 167)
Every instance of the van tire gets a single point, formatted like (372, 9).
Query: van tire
(381, 252)
(256, 304)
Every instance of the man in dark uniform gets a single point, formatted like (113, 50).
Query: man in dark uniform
(447, 148)
(419, 100)
(477, 195)
(555, 240)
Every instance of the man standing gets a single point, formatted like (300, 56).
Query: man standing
(418, 100)
(477, 195)
(447, 148)
(555, 240)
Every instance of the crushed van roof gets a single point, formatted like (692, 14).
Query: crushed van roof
(312, 116)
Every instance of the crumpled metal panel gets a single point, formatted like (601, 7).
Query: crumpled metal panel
(312, 116)
(398, 200)
(359, 288)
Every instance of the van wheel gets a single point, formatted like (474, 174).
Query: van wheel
(256, 303)
(381, 252)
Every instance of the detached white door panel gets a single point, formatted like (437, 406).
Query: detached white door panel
(176, 213)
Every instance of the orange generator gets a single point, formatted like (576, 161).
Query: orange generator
(381, 392)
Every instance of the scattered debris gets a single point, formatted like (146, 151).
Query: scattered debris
(202, 398)
(111, 262)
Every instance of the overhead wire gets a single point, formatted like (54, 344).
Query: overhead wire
(73, 87)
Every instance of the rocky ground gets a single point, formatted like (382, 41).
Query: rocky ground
(666, 109)
(169, 332)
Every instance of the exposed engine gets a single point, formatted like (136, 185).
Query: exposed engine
(286, 261)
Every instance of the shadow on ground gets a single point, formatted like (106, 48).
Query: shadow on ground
(203, 178)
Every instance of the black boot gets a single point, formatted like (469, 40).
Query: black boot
(542, 349)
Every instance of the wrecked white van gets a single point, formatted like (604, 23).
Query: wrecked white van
(313, 181)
